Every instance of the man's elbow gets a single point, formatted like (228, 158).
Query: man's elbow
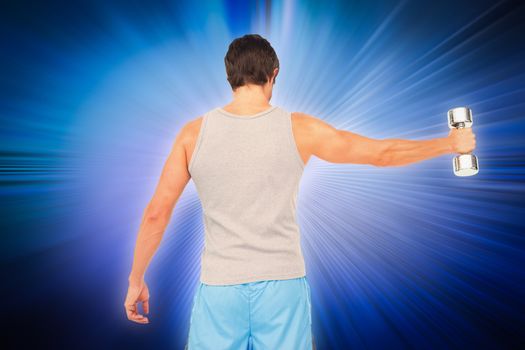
(156, 213)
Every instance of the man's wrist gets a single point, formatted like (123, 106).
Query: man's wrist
(133, 279)
(447, 145)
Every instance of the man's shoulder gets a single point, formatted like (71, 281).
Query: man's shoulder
(190, 130)
(305, 122)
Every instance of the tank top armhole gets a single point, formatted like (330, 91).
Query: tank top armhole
(293, 144)
(198, 143)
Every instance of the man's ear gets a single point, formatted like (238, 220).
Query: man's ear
(275, 73)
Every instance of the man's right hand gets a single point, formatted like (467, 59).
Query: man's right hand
(462, 140)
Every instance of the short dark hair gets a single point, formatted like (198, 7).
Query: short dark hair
(250, 59)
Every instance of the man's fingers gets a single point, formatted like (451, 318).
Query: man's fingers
(143, 321)
(145, 306)
(133, 315)
(139, 318)
(131, 309)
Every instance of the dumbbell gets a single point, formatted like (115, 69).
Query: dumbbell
(464, 164)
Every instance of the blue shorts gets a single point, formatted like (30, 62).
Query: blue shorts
(261, 315)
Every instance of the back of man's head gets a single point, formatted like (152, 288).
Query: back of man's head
(250, 59)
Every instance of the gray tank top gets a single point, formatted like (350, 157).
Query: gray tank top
(246, 171)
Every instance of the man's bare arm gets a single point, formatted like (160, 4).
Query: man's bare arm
(157, 214)
(399, 152)
(341, 146)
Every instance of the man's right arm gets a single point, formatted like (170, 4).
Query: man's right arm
(341, 146)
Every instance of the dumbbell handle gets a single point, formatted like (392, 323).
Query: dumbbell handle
(461, 125)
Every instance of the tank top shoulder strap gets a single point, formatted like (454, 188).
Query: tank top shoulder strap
(198, 142)
(293, 144)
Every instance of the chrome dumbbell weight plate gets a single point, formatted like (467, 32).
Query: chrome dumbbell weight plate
(465, 165)
(460, 117)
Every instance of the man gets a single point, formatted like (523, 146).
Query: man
(246, 160)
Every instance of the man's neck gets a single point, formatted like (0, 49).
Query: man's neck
(249, 96)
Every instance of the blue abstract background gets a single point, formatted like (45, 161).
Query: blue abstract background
(93, 94)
